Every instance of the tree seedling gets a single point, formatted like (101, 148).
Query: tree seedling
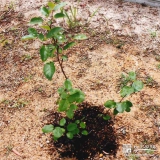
(131, 85)
(54, 42)
(69, 97)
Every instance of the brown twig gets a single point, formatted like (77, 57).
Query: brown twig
(60, 63)
(16, 152)
(122, 98)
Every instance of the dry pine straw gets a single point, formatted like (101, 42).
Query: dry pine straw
(96, 72)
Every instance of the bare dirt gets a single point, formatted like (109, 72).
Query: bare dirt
(123, 37)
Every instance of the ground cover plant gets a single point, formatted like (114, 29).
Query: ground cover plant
(78, 117)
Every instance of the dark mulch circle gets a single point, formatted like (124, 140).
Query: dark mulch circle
(101, 137)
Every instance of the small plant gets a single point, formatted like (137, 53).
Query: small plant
(130, 86)
(70, 130)
(92, 15)
(149, 81)
(150, 151)
(133, 157)
(19, 103)
(28, 78)
(54, 42)
(26, 57)
(72, 20)
(9, 149)
(127, 78)
(153, 34)
(69, 97)
(158, 66)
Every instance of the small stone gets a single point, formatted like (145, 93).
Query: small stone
(47, 141)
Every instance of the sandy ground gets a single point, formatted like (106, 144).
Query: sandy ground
(96, 67)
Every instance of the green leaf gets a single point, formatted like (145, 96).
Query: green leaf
(60, 50)
(128, 109)
(59, 15)
(84, 132)
(69, 45)
(62, 122)
(32, 32)
(63, 105)
(70, 135)
(60, 5)
(138, 85)
(60, 38)
(68, 84)
(106, 117)
(54, 31)
(28, 37)
(60, 90)
(45, 27)
(82, 125)
(58, 132)
(124, 106)
(77, 121)
(126, 90)
(76, 96)
(110, 104)
(73, 107)
(64, 57)
(51, 49)
(64, 95)
(49, 70)
(44, 52)
(45, 11)
(127, 105)
(120, 107)
(76, 131)
(55, 138)
(132, 75)
(48, 128)
(71, 127)
(36, 20)
(47, 51)
(80, 37)
(51, 5)
(115, 112)
(41, 37)
(70, 113)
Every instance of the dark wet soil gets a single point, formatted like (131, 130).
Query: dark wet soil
(101, 138)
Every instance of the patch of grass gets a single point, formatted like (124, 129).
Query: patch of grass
(11, 5)
(9, 149)
(157, 58)
(115, 41)
(26, 57)
(149, 81)
(133, 157)
(27, 78)
(92, 15)
(153, 34)
(158, 66)
(72, 20)
(19, 103)
(5, 101)
(150, 151)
